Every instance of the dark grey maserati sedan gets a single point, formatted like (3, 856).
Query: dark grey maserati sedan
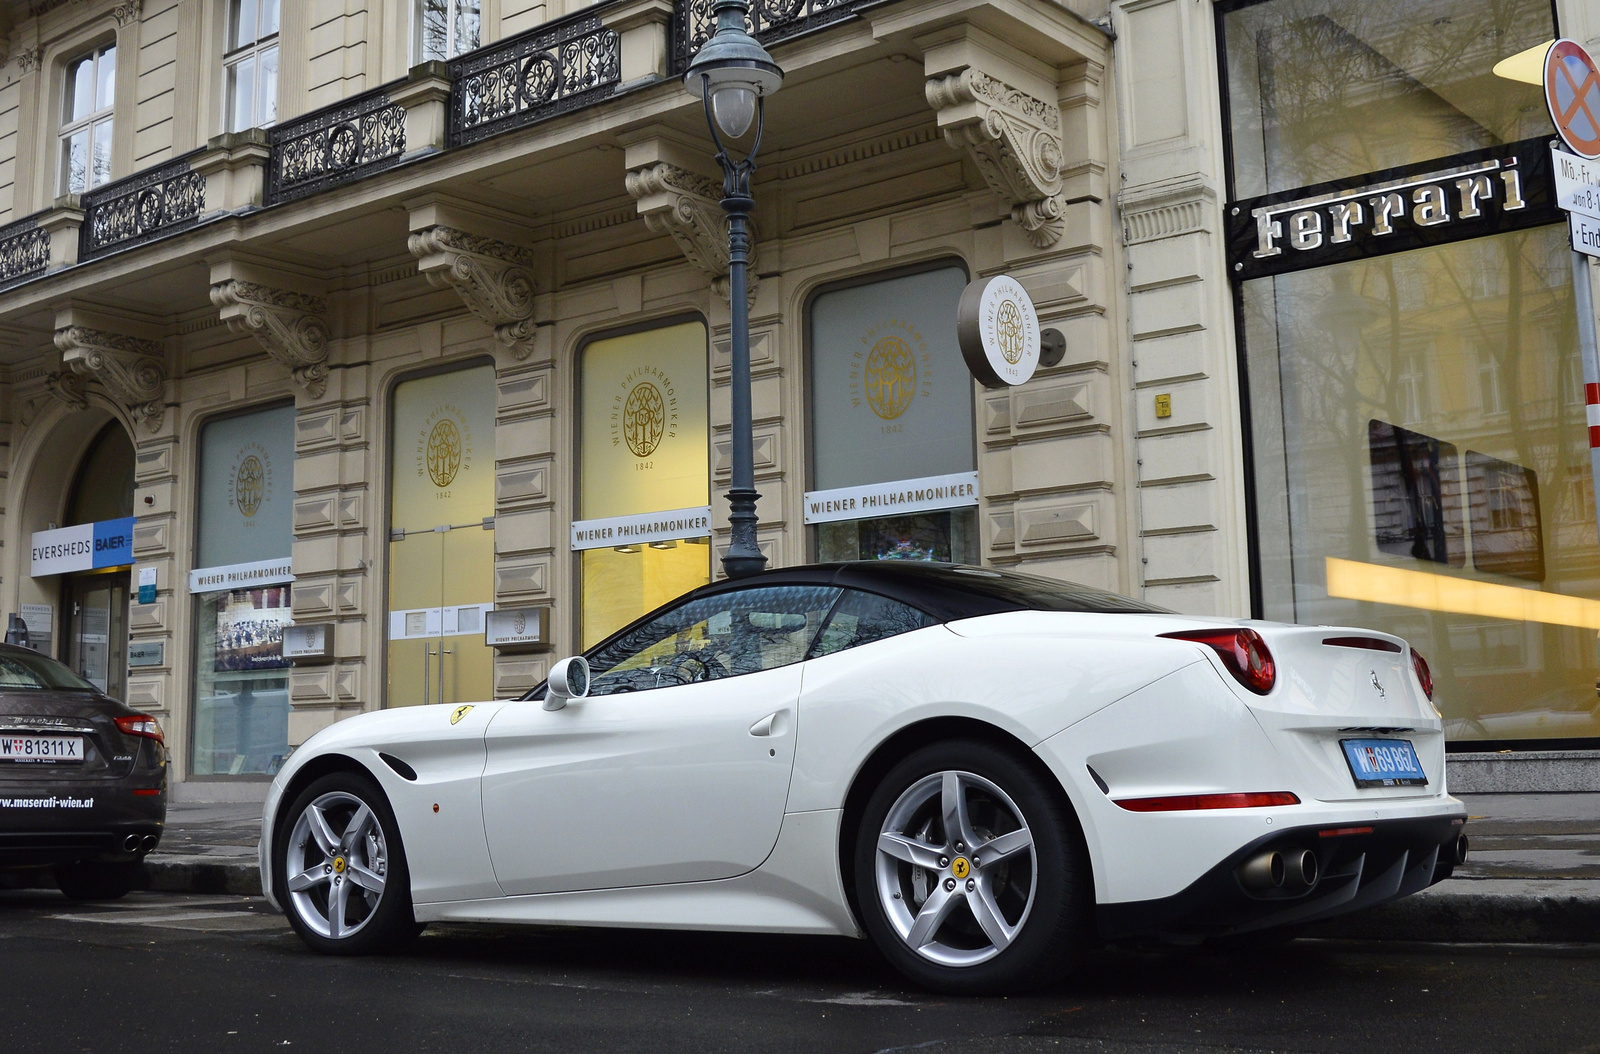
(83, 778)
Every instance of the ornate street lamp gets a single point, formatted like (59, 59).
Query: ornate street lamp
(733, 75)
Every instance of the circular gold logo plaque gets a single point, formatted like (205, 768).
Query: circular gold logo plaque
(1008, 331)
(249, 484)
(890, 377)
(644, 418)
(444, 452)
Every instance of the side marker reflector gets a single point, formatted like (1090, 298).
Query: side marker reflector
(1191, 802)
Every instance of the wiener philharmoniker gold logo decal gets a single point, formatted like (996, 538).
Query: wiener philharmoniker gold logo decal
(644, 418)
(644, 412)
(252, 479)
(444, 452)
(519, 623)
(890, 370)
(1009, 331)
(249, 482)
(891, 377)
(458, 713)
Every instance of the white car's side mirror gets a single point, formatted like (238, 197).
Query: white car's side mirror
(569, 679)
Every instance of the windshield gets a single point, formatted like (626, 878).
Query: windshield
(23, 670)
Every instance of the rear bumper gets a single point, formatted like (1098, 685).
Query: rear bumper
(56, 823)
(1394, 859)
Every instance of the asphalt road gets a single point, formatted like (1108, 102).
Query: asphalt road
(186, 973)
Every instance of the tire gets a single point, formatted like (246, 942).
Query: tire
(351, 892)
(95, 881)
(921, 902)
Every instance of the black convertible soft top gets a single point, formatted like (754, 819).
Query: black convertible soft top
(946, 591)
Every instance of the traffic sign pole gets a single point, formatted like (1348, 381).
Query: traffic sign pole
(1589, 354)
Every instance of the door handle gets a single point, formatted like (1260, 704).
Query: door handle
(774, 724)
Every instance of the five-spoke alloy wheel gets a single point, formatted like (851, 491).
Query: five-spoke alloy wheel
(968, 872)
(339, 869)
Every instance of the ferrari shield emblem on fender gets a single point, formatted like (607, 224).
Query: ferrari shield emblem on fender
(459, 713)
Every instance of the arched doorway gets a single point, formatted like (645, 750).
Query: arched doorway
(82, 552)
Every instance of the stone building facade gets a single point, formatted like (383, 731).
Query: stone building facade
(254, 255)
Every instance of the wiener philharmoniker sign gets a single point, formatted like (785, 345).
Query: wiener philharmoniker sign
(1468, 196)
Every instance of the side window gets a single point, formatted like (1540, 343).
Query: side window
(744, 631)
(862, 618)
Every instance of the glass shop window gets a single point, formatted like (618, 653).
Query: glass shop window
(643, 450)
(242, 594)
(893, 465)
(1421, 461)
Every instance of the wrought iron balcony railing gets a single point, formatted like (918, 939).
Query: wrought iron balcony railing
(525, 79)
(152, 204)
(337, 144)
(769, 21)
(24, 250)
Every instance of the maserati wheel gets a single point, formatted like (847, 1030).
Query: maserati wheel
(968, 871)
(340, 868)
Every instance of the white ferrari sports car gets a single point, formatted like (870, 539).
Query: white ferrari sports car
(983, 772)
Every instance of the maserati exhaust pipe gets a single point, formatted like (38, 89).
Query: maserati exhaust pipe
(130, 844)
(150, 841)
(1263, 871)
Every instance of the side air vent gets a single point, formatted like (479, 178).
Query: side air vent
(1369, 643)
(405, 771)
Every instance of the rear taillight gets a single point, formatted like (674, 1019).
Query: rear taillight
(1424, 675)
(1243, 652)
(1191, 802)
(140, 725)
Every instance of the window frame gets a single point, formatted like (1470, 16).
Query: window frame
(90, 123)
(251, 51)
(452, 49)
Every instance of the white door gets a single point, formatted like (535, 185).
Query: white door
(675, 768)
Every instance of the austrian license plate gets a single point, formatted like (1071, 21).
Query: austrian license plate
(45, 749)
(1384, 763)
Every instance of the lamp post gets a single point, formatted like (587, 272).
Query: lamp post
(733, 74)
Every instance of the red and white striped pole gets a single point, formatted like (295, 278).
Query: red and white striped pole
(1583, 297)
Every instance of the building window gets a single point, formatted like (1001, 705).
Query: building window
(447, 28)
(893, 468)
(242, 593)
(252, 64)
(86, 120)
(644, 480)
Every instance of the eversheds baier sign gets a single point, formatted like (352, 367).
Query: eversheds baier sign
(85, 547)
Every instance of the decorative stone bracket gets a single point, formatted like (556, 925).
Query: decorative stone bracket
(686, 205)
(1015, 140)
(493, 278)
(289, 325)
(67, 387)
(133, 370)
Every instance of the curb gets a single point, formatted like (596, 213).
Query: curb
(200, 874)
(1456, 917)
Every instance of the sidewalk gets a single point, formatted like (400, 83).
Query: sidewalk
(1532, 874)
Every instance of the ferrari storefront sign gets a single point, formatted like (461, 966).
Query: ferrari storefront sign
(85, 547)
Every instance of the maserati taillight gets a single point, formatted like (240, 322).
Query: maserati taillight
(1424, 675)
(140, 725)
(1243, 652)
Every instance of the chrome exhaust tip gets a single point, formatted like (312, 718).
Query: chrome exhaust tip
(1461, 849)
(130, 844)
(1263, 872)
(149, 842)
